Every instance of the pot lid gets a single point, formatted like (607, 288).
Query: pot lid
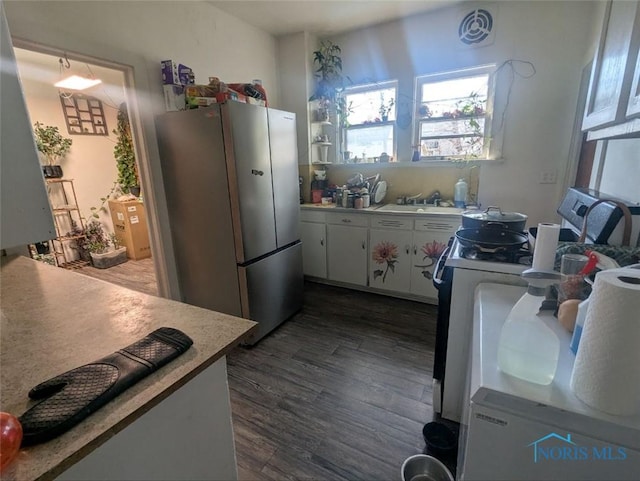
(494, 214)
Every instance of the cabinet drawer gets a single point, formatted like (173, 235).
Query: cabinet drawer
(390, 222)
(437, 223)
(307, 215)
(344, 218)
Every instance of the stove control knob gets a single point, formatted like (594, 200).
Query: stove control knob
(582, 210)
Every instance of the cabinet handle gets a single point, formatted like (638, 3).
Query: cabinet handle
(257, 172)
(364, 246)
(406, 248)
(415, 250)
(321, 242)
(346, 220)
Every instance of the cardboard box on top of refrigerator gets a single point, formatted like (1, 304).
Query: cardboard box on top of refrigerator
(130, 226)
(176, 74)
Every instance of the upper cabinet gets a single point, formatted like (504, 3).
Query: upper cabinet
(613, 101)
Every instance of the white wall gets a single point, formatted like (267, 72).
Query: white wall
(140, 34)
(90, 161)
(554, 36)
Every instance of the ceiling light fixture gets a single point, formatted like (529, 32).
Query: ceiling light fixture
(74, 82)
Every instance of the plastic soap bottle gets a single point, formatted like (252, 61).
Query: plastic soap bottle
(528, 349)
(460, 194)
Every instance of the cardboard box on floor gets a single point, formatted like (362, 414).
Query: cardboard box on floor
(130, 226)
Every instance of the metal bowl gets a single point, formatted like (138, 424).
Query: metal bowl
(422, 467)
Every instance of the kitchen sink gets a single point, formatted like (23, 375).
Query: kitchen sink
(418, 209)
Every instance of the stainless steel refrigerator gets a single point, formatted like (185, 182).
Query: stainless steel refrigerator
(231, 180)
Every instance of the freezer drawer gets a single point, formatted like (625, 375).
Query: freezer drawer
(271, 289)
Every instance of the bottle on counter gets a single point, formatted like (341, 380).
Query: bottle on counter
(366, 198)
(460, 194)
(528, 349)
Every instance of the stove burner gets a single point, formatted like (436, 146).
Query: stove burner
(521, 256)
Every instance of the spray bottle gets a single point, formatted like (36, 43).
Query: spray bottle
(528, 348)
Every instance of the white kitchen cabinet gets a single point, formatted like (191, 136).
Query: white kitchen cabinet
(347, 249)
(412, 247)
(390, 259)
(425, 252)
(313, 234)
(610, 99)
(314, 249)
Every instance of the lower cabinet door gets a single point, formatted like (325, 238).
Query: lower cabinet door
(390, 260)
(347, 254)
(314, 249)
(426, 249)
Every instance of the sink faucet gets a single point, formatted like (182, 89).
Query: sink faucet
(434, 198)
(413, 200)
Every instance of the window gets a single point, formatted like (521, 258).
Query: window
(369, 129)
(453, 118)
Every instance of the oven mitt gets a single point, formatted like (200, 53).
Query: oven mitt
(74, 395)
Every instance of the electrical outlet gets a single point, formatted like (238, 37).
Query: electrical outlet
(548, 177)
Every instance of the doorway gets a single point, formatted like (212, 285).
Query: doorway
(90, 119)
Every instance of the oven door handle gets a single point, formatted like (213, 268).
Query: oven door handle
(437, 275)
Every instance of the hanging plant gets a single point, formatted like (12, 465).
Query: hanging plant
(51, 143)
(124, 153)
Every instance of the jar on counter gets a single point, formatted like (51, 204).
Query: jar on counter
(358, 202)
(366, 200)
(351, 200)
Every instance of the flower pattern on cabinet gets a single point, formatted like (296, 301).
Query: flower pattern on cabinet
(385, 252)
(432, 251)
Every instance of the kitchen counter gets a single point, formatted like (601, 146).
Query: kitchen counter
(393, 209)
(54, 320)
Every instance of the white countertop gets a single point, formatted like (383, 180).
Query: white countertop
(390, 209)
(555, 403)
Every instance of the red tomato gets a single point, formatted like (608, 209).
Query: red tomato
(10, 438)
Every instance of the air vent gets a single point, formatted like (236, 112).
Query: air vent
(476, 27)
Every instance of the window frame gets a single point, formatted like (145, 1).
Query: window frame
(489, 145)
(372, 87)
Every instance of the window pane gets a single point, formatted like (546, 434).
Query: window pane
(366, 107)
(446, 97)
(455, 147)
(451, 127)
(372, 141)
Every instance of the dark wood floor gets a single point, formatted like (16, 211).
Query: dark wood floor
(339, 392)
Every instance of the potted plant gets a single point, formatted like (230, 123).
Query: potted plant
(385, 107)
(125, 154)
(330, 81)
(93, 244)
(53, 147)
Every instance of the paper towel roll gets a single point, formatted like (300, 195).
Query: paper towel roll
(544, 254)
(606, 373)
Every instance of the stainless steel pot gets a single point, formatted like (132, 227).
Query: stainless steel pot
(493, 215)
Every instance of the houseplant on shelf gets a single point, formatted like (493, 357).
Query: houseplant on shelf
(330, 82)
(53, 147)
(125, 154)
